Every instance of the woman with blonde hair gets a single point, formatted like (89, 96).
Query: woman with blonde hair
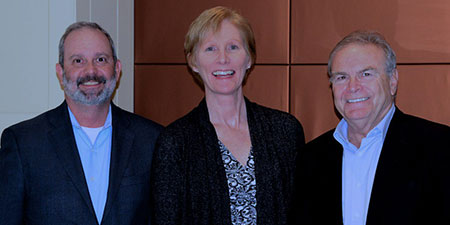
(229, 160)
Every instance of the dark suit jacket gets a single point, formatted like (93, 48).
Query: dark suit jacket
(188, 177)
(42, 179)
(411, 184)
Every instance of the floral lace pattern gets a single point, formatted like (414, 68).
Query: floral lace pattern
(241, 186)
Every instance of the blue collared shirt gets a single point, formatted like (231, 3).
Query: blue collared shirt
(358, 169)
(95, 158)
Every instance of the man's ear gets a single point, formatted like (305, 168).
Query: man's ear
(118, 69)
(59, 73)
(393, 82)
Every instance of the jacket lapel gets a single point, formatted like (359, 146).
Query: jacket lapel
(333, 181)
(209, 160)
(63, 141)
(122, 141)
(257, 125)
(337, 178)
(392, 167)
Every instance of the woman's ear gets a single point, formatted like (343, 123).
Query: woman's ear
(191, 62)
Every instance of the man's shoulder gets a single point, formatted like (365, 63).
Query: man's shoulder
(322, 145)
(35, 129)
(39, 122)
(324, 139)
(413, 125)
(136, 121)
(421, 122)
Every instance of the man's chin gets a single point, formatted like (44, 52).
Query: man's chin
(90, 97)
(89, 100)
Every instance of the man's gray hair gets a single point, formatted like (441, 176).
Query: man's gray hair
(367, 37)
(77, 26)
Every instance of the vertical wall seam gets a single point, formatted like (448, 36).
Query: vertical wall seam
(90, 10)
(289, 55)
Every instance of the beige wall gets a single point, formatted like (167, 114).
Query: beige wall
(294, 38)
(117, 17)
(29, 51)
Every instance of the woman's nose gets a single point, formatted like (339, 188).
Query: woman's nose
(223, 57)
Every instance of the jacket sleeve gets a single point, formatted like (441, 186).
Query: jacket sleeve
(12, 187)
(168, 181)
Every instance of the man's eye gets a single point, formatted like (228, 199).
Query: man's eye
(77, 61)
(340, 77)
(366, 74)
(101, 59)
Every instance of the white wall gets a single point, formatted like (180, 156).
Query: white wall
(31, 30)
(117, 17)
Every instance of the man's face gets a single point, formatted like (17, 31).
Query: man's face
(89, 76)
(362, 91)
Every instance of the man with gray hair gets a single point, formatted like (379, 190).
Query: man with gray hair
(379, 166)
(87, 161)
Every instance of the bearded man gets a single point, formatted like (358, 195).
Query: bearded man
(86, 161)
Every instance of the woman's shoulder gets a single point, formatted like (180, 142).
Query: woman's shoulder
(273, 115)
(188, 124)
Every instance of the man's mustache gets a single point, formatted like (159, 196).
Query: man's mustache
(93, 77)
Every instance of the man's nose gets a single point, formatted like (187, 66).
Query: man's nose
(91, 68)
(354, 84)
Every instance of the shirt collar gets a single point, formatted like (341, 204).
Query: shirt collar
(340, 134)
(75, 123)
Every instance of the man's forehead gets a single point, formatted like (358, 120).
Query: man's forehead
(84, 31)
(87, 40)
(360, 49)
(359, 55)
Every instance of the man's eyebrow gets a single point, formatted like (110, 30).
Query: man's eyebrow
(338, 73)
(75, 56)
(102, 54)
(367, 69)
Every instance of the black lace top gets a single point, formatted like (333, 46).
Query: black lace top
(242, 187)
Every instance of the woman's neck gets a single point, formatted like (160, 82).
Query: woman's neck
(228, 110)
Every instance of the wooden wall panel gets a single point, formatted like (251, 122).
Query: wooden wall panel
(311, 100)
(424, 91)
(160, 27)
(269, 86)
(416, 29)
(164, 93)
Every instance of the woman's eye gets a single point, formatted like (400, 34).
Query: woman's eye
(234, 47)
(209, 49)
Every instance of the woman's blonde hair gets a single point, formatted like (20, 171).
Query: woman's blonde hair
(211, 20)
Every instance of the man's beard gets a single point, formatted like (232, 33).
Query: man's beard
(71, 89)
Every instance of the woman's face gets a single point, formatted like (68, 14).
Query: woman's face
(222, 61)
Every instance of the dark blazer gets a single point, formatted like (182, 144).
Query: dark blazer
(411, 184)
(42, 179)
(188, 177)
